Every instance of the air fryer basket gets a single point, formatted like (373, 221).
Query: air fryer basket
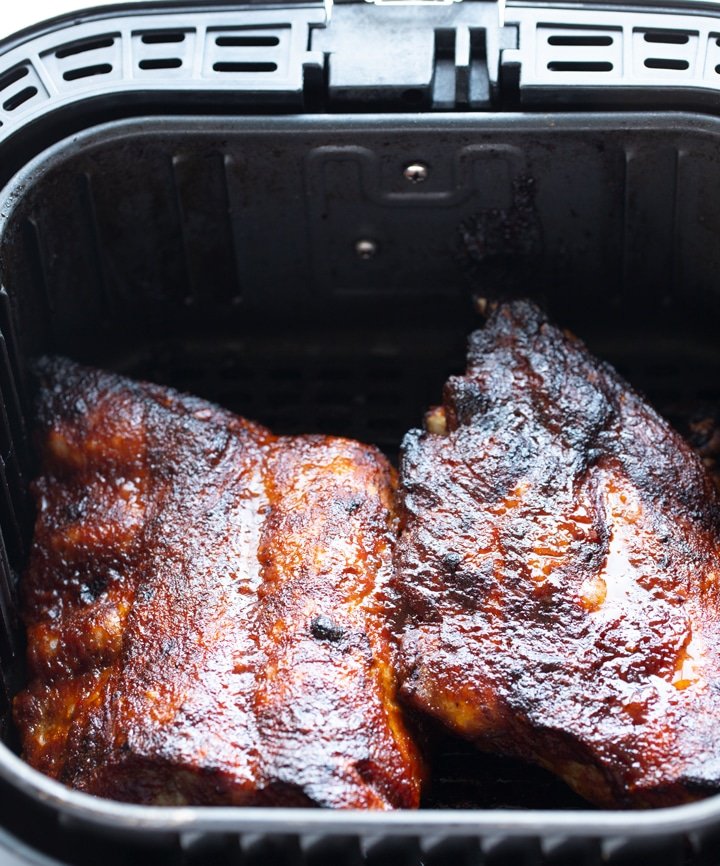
(167, 216)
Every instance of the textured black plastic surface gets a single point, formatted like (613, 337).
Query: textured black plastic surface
(289, 268)
(221, 256)
(271, 57)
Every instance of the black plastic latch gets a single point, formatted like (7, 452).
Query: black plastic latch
(431, 56)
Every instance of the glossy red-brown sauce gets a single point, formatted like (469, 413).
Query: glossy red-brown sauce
(208, 606)
(559, 554)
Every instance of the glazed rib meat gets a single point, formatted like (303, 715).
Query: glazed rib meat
(559, 554)
(208, 606)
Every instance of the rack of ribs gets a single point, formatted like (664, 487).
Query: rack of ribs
(559, 555)
(208, 606)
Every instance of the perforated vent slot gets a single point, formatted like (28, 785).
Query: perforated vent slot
(19, 99)
(247, 41)
(75, 63)
(244, 50)
(18, 87)
(664, 52)
(579, 51)
(163, 53)
(579, 66)
(244, 67)
(87, 71)
(160, 38)
(82, 47)
(580, 39)
(666, 63)
(617, 51)
(9, 78)
(247, 52)
(161, 63)
(666, 37)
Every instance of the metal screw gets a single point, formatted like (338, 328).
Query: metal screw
(416, 172)
(481, 305)
(365, 248)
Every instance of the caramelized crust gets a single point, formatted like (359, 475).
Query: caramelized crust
(206, 606)
(329, 667)
(560, 556)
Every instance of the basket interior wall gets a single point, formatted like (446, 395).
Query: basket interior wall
(222, 257)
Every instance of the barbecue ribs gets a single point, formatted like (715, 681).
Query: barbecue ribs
(208, 606)
(559, 554)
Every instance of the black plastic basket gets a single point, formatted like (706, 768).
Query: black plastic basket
(290, 214)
